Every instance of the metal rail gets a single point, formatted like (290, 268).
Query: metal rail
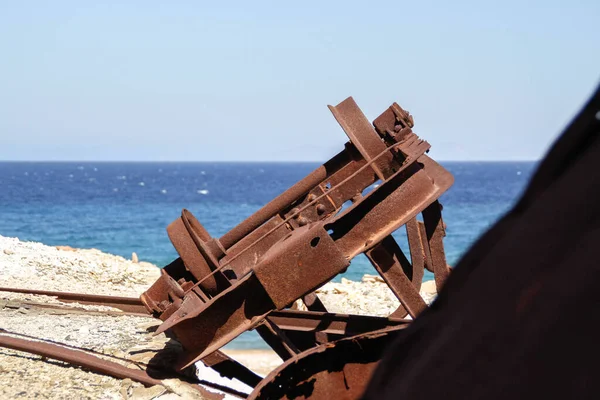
(128, 304)
(93, 363)
(218, 360)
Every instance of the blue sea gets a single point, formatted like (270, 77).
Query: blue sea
(122, 208)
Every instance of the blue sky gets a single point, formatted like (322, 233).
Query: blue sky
(205, 81)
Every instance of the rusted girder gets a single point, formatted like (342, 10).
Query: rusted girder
(331, 323)
(222, 287)
(128, 304)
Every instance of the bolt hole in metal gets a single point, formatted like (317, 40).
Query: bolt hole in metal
(315, 241)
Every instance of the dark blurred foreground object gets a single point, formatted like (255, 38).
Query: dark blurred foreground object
(520, 315)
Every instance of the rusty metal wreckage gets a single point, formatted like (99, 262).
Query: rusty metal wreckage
(251, 277)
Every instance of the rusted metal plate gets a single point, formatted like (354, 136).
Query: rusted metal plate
(299, 263)
(203, 330)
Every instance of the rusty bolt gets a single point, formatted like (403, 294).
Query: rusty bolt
(302, 221)
(321, 209)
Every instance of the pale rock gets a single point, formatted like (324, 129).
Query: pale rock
(134, 258)
(372, 279)
(144, 393)
(66, 248)
(126, 388)
(299, 305)
(182, 389)
(428, 287)
(339, 290)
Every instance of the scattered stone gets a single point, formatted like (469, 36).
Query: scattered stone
(371, 296)
(68, 269)
(372, 278)
(182, 389)
(66, 248)
(144, 393)
(339, 290)
(299, 305)
(126, 388)
(428, 287)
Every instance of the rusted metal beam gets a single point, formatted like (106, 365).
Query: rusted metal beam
(392, 265)
(222, 287)
(16, 304)
(277, 339)
(218, 361)
(93, 363)
(435, 231)
(331, 323)
(129, 304)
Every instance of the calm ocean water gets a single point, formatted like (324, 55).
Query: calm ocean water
(122, 208)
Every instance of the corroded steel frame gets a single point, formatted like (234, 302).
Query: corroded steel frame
(222, 287)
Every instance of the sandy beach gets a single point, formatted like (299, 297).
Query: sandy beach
(36, 266)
